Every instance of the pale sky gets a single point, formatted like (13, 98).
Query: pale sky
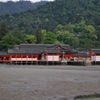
(25, 0)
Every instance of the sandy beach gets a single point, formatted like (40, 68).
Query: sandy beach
(23, 82)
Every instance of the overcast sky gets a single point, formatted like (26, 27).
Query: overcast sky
(25, 0)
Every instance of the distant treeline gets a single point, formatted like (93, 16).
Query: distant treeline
(11, 7)
(74, 22)
(78, 35)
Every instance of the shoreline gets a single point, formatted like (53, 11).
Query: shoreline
(64, 67)
(48, 82)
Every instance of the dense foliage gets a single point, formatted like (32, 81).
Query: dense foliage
(74, 22)
(11, 7)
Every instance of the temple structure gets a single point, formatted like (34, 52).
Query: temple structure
(38, 53)
(81, 56)
(4, 56)
(95, 56)
(29, 53)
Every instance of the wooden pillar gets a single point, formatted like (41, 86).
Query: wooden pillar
(95, 59)
(37, 59)
(32, 59)
(16, 59)
(47, 62)
(10, 58)
(53, 59)
(21, 59)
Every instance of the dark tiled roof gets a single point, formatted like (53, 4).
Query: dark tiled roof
(96, 51)
(64, 46)
(25, 51)
(53, 46)
(53, 51)
(81, 53)
(4, 53)
(69, 51)
(39, 48)
(36, 46)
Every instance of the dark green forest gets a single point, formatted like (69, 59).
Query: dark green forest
(74, 22)
(11, 7)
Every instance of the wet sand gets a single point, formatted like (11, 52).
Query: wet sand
(25, 82)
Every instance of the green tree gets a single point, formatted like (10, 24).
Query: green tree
(79, 27)
(71, 39)
(50, 38)
(88, 37)
(38, 35)
(8, 41)
(30, 39)
(20, 35)
(3, 30)
(43, 32)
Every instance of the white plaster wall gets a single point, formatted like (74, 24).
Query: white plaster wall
(52, 58)
(97, 58)
(23, 59)
(93, 58)
(49, 58)
(56, 58)
(13, 59)
(34, 59)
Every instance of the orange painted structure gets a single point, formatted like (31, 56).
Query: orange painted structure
(37, 52)
(95, 55)
(4, 56)
(81, 56)
(29, 53)
(23, 57)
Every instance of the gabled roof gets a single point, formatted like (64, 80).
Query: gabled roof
(81, 53)
(39, 48)
(63, 47)
(53, 46)
(96, 51)
(4, 53)
(53, 51)
(24, 51)
(32, 46)
(28, 49)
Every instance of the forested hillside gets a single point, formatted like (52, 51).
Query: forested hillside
(74, 22)
(11, 7)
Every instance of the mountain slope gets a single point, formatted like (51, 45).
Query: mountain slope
(51, 14)
(11, 7)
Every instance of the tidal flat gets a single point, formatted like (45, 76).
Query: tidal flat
(60, 82)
